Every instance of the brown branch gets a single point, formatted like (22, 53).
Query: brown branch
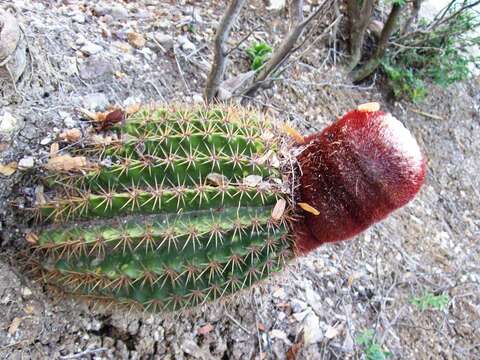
(286, 47)
(220, 58)
(358, 20)
(372, 64)
(416, 6)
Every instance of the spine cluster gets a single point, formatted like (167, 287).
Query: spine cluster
(176, 213)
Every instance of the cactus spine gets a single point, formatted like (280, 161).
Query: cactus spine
(175, 213)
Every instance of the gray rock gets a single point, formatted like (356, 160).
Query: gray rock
(118, 12)
(90, 48)
(312, 332)
(197, 98)
(96, 67)
(298, 305)
(95, 101)
(79, 18)
(186, 44)
(8, 125)
(165, 40)
(26, 163)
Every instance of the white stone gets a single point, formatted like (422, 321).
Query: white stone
(8, 123)
(26, 163)
(90, 48)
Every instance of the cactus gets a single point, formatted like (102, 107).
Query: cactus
(193, 204)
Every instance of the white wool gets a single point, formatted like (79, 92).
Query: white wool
(402, 140)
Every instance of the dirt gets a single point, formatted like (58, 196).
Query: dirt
(322, 303)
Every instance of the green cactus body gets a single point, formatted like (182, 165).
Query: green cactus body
(176, 213)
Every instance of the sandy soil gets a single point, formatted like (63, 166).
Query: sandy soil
(323, 302)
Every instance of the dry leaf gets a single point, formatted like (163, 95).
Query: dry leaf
(309, 208)
(100, 140)
(292, 353)
(136, 40)
(31, 238)
(333, 331)
(252, 180)
(205, 329)
(29, 309)
(279, 209)
(72, 135)
(12, 329)
(287, 129)
(261, 327)
(39, 195)
(369, 107)
(9, 169)
(216, 179)
(54, 148)
(132, 108)
(67, 163)
(89, 114)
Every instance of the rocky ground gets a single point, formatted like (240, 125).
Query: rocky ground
(96, 54)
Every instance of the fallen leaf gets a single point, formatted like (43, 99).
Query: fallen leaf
(309, 208)
(369, 107)
(100, 140)
(252, 180)
(29, 309)
(9, 169)
(216, 179)
(287, 129)
(292, 353)
(279, 209)
(261, 327)
(31, 238)
(205, 329)
(67, 163)
(12, 329)
(39, 195)
(54, 148)
(72, 135)
(132, 108)
(333, 331)
(136, 40)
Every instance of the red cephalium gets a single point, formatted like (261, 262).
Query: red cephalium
(355, 172)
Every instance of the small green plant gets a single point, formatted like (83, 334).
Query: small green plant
(372, 349)
(431, 301)
(259, 53)
(439, 53)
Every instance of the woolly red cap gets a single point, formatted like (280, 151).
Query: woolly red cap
(355, 172)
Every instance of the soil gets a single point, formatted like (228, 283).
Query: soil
(80, 57)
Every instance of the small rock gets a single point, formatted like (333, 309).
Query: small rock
(118, 12)
(26, 163)
(79, 18)
(197, 99)
(69, 122)
(95, 101)
(166, 41)
(45, 140)
(90, 48)
(96, 67)
(191, 348)
(136, 40)
(299, 316)
(312, 333)
(8, 124)
(298, 305)
(26, 292)
(186, 44)
(279, 334)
